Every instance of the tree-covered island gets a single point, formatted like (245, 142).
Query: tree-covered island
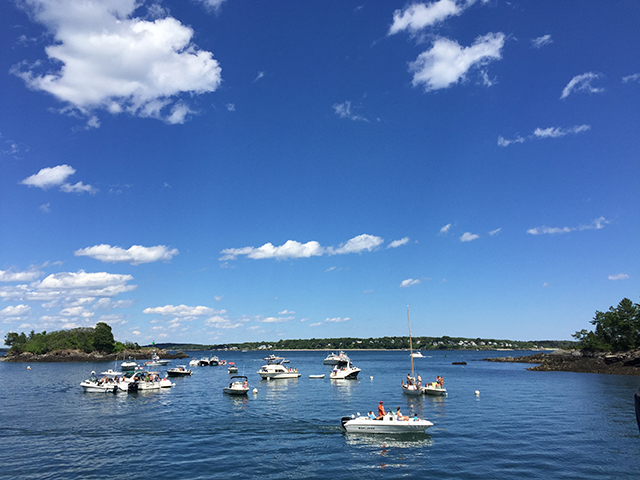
(613, 346)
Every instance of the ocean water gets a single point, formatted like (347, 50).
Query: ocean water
(522, 425)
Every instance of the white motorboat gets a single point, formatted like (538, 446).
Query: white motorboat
(232, 368)
(238, 385)
(417, 355)
(205, 362)
(316, 376)
(143, 381)
(388, 424)
(344, 370)
(156, 361)
(434, 389)
(129, 365)
(107, 383)
(273, 359)
(179, 371)
(214, 361)
(333, 358)
(194, 362)
(277, 370)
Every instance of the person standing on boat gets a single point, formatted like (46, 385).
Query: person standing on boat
(419, 381)
(381, 412)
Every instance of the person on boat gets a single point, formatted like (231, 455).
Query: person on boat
(381, 412)
(245, 384)
(408, 379)
(371, 415)
(419, 381)
(399, 415)
(440, 381)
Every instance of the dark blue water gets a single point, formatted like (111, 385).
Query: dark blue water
(522, 425)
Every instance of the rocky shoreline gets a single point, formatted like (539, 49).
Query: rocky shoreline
(71, 355)
(622, 363)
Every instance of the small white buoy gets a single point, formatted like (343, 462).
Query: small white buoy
(371, 377)
(477, 393)
(255, 391)
(28, 367)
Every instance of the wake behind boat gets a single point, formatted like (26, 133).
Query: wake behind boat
(388, 424)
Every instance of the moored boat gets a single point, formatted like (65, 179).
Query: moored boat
(344, 370)
(334, 358)
(142, 381)
(179, 371)
(277, 370)
(107, 383)
(194, 362)
(238, 385)
(129, 365)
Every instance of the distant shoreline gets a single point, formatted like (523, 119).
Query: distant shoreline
(71, 355)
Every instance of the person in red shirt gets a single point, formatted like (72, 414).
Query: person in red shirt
(381, 412)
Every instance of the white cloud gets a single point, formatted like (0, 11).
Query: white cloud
(549, 132)
(15, 311)
(444, 230)
(293, 249)
(541, 41)
(337, 319)
(286, 312)
(56, 176)
(495, 232)
(10, 276)
(503, 142)
(409, 282)
(468, 237)
(49, 177)
(597, 224)
(211, 4)
(582, 83)
(343, 110)
(182, 311)
(135, 255)
(447, 62)
(221, 322)
(231, 107)
(418, 16)
(111, 60)
(631, 78)
(619, 276)
(555, 132)
(259, 76)
(398, 243)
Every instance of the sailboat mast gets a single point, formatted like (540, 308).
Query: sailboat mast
(410, 344)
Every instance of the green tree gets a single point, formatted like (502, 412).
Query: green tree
(11, 338)
(618, 329)
(103, 338)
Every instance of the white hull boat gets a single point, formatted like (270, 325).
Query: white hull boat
(333, 358)
(316, 376)
(179, 371)
(389, 424)
(417, 355)
(128, 365)
(238, 385)
(411, 390)
(194, 362)
(143, 381)
(108, 383)
(434, 390)
(344, 371)
(275, 371)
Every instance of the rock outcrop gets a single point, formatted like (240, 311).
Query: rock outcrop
(622, 363)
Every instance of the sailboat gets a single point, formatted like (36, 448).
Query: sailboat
(411, 388)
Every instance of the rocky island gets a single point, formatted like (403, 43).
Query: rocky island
(580, 361)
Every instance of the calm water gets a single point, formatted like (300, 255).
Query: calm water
(523, 424)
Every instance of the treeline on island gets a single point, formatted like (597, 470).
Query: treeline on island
(382, 343)
(89, 339)
(616, 330)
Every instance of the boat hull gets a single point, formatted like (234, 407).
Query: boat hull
(235, 391)
(412, 392)
(345, 375)
(278, 375)
(390, 426)
(91, 387)
(434, 391)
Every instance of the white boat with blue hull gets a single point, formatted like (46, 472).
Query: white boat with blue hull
(344, 370)
(388, 424)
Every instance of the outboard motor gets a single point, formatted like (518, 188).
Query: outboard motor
(344, 420)
(133, 387)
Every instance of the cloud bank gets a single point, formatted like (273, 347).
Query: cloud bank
(597, 224)
(57, 176)
(293, 249)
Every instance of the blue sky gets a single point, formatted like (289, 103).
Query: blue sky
(226, 171)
